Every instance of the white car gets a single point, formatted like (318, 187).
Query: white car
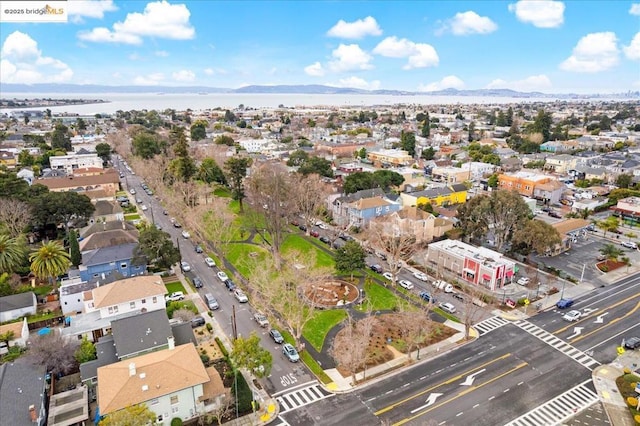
(447, 307)
(321, 225)
(406, 284)
(210, 262)
(421, 276)
(185, 266)
(239, 294)
(523, 281)
(572, 316)
(175, 296)
(144, 208)
(132, 191)
(629, 245)
(222, 276)
(185, 234)
(388, 276)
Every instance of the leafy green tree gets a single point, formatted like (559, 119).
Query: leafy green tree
(199, 130)
(146, 145)
(428, 153)
(74, 249)
(317, 165)
(25, 159)
(60, 138)
(358, 181)
(133, 415)
(386, 179)
(236, 172)
(247, 353)
(493, 181)
(59, 208)
(297, 158)
(537, 236)
(542, 124)
(350, 258)
(501, 120)
(5, 284)
(81, 124)
(229, 117)
(157, 248)
(209, 172)
(624, 180)
(182, 167)
(12, 252)
(104, 151)
(362, 153)
(86, 351)
(408, 142)
(509, 117)
(224, 140)
(610, 224)
(49, 261)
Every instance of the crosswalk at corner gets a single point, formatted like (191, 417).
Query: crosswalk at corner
(306, 395)
(490, 324)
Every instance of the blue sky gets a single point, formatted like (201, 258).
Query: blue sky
(543, 45)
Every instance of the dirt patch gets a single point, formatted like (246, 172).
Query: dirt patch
(331, 293)
(610, 265)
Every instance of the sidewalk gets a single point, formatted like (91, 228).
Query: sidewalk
(604, 380)
(342, 384)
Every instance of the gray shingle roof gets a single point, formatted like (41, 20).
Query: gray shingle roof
(17, 301)
(21, 385)
(108, 254)
(141, 332)
(106, 352)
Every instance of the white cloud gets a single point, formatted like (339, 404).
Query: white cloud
(356, 29)
(159, 19)
(215, 71)
(635, 9)
(529, 84)
(314, 70)
(162, 53)
(448, 82)
(540, 13)
(348, 57)
(77, 9)
(149, 80)
(357, 83)
(594, 52)
(22, 62)
(632, 51)
(420, 55)
(184, 75)
(469, 22)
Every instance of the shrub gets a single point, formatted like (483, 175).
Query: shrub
(637, 418)
(632, 401)
(209, 327)
(205, 359)
(243, 393)
(176, 421)
(224, 351)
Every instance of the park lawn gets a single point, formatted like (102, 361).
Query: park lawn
(221, 191)
(234, 206)
(301, 244)
(380, 297)
(238, 255)
(317, 328)
(174, 286)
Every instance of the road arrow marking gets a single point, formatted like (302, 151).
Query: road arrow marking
(600, 318)
(432, 399)
(576, 332)
(587, 311)
(468, 381)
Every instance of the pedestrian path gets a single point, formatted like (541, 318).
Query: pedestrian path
(303, 396)
(558, 344)
(560, 408)
(490, 324)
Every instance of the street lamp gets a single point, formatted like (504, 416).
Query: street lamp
(562, 291)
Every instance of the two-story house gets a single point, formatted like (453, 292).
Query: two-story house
(71, 162)
(96, 187)
(561, 163)
(422, 225)
(357, 209)
(439, 196)
(105, 261)
(390, 158)
(24, 395)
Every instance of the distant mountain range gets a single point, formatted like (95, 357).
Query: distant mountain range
(310, 89)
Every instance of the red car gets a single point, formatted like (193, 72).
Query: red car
(314, 233)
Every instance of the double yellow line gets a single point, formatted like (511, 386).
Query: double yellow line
(592, 314)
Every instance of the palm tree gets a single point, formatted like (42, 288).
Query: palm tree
(611, 252)
(49, 261)
(610, 224)
(584, 213)
(11, 252)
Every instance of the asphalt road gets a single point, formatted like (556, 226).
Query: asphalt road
(284, 374)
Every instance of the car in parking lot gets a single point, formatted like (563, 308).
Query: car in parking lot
(523, 281)
(572, 316)
(198, 249)
(185, 266)
(421, 276)
(229, 284)
(197, 282)
(276, 336)
(564, 303)
(197, 321)
(175, 296)
(210, 262)
(321, 225)
(406, 284)
(629, 245)
(314, 233)
(290, 352)
(261, 319)
(222, 276)
(632, 343)
(425, 295)
(324, 239)
(240, 296)
(458, 296)
(447, 307)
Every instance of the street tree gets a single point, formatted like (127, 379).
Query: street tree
(415, 325)
(473, 303)
(502, 212)
(611, 252)
(350, 257)
(248, 354)
(49, 261)
(104, 151)
(392, 239)
(213, 223)
(309, 194)
(12, 251)
(74, 249)
(13, 187)
(386, 179)
(536, 236)
(132, 415)
(350, 347)
(86, 351)
(157, 248)
(53, 351)
(236, 173)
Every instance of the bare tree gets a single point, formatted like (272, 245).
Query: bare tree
(15, 215)
(54, 352)
(397, 245)
(212, 222)
(309, 195)
(416, 326)
(222, 409)
(269, 191)
(351, 345)
(473, 305)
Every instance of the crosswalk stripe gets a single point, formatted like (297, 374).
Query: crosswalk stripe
(490, 324)
(301, 397)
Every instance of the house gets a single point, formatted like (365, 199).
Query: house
(8, 159)
(24, 395)
(96, 187)
(72, 294)
(110, 302)
(357, 209)
(473, 265)
(450, 175)
(108, 238)
(27, 175)
(561, 163)
(422, 225)
(173, 383)
(19, 331)
(108, 260)
(17, 306)
(477, 170)
(69, 163)
(549, 192)
(390, 158)
(628, 209)
(439, 196)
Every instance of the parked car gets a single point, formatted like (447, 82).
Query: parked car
(376, 268)
(211, 301)
(303, 228)
(197, 321)
(321, 225)
(261, 319)
(421, 276)
(425, 295)
(198, 249)
(144, 208)
(132, 191)
(230, 285)
(210, 262)
(290, 352)
(175, 296)
(164, 212)
(197, 282)
(406, 284)
(222, 276)
(447, 307)
(276, 336)
(239, 294)
(185, 266)
(572, 316)
(632, 343)
(138, 201)
(564, 303)
(523, 281)
(388, 276)
(185, 234)
(325, 240)
(629, 245)
(552, 213)
(314, 233)
(458, 296)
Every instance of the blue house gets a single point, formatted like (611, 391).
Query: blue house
(110, 260)
(357, 209)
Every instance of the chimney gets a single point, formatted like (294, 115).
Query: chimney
(32, 413)
(132, 369)
(172, 343)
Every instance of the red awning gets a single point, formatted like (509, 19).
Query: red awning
(486, 277)
(509, 273)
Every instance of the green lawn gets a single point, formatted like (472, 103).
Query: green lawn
(133, 216)
(240, 257)
(380, 297)
(41, 290)
(301, 244)
(317, 328)
(221, 191)
(175, 286)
